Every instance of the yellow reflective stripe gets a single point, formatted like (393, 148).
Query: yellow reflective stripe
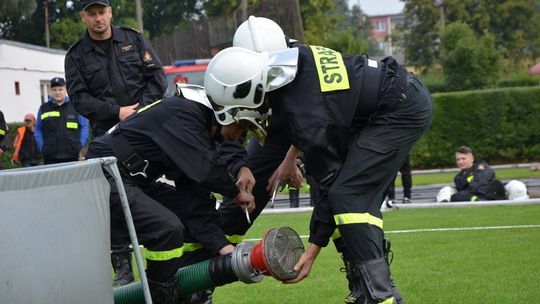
(2, 132)
(331, 69)
(148, 106)
(235, 239)
(388, 301)
(358, 218)
(474, 198)
(190, 247)
(72, 125)
(50, 114)
(335, 235)
(470, 178)
(164, 255)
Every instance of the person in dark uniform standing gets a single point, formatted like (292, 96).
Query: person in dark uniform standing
(60, 131)
(173, 136)
(111, 72)
(355, 120)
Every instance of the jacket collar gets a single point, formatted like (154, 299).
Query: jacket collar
(117, 35)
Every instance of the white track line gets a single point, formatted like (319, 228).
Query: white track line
(436, 230)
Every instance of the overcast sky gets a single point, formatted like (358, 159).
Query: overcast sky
(379, 7)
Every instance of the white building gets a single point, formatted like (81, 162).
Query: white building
(25, 73)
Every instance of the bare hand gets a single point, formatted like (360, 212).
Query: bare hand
(287, 171)
(245, 179)
(1, 151)
(226, 250)
(126, 111)
(305, 263)
(245, 200)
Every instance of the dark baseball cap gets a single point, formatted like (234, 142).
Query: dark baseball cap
(58, 82)
(84, 4)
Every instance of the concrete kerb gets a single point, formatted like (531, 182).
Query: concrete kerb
(422, 205)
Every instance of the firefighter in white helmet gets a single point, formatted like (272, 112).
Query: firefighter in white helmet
(262, 34)
(355, 120)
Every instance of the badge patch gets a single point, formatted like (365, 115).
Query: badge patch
(331, 69)
(127, 48)
(147, 57)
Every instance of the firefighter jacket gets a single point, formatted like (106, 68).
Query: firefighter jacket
(60, 131)
(328, 98)
(174, 136)
(477, 183)
(26, 147)
(100, 83)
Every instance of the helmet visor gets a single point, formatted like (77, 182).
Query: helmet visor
(282, 68)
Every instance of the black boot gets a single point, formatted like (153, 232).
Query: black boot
(374, 278)
(164, 292)
(121, 262)
(355, 295)
(389, 255)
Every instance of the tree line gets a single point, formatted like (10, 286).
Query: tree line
(471, 41)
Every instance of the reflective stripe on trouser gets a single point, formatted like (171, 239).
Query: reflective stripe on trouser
(358, 218)
(388, 301)
(164, 255)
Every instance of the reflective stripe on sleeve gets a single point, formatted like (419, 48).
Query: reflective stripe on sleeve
(164, 255)
(2, 132)
(388, 301)
(358, 218)
(470, 178)
(50, 114)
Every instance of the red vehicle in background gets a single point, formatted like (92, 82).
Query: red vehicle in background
(185, 71)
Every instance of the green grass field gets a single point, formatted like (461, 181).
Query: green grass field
(467, 266)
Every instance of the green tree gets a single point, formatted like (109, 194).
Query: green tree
(513, 24)
(12, 12)
(468, 62)
(420, 32)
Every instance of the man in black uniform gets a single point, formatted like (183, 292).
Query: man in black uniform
(111, 72)
(171, 137)
(355, 120)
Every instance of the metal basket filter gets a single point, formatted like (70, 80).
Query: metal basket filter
(282, 250)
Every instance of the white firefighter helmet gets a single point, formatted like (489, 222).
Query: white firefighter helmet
(516, 190)
(445, 194)
(239, 78)
(260, 34)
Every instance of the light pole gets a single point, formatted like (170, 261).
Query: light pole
(47, 34)
(138, 7)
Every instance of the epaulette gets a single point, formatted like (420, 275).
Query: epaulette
(130, 28)
(73, 45)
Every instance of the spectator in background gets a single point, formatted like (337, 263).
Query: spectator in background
(406, 181)
(26, 148)
(60, 131)
(476, 180)
(3, 137)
